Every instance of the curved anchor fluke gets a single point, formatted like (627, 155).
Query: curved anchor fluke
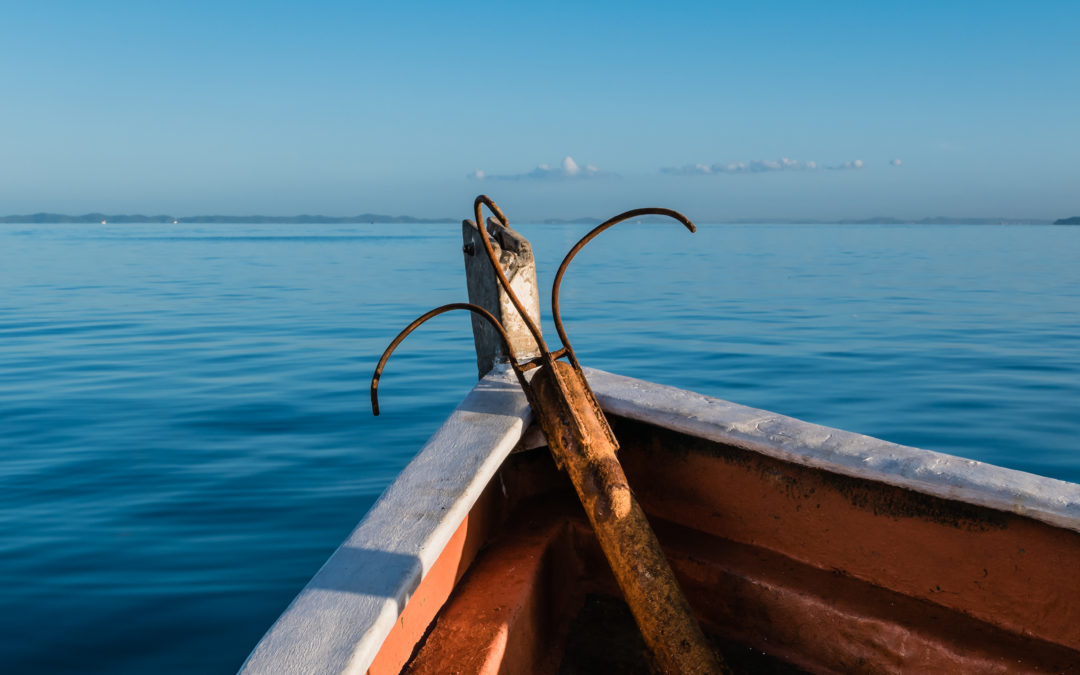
(622, 217)
(475, 309)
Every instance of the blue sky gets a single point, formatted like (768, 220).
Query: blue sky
(338, 108)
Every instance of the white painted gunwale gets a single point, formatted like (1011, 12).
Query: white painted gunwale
(339, 620)
(1048, 500)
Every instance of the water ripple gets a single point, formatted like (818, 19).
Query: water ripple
(184, 418)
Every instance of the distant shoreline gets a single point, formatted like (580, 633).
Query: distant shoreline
(89, 218)
(371, 218)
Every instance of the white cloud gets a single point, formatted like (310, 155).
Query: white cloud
(854, 164)
(567, 169)
(762, 166)
(753, 166)
(896, 162)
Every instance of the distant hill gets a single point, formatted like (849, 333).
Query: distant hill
(584, 220)
(55, 218)
(1075, 220)
(51, 218)
(944, 220)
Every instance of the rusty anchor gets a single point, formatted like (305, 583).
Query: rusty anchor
(583, 444)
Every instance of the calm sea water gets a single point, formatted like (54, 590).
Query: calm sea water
(184, 425)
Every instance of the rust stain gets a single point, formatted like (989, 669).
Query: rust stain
(878, 498)
(894, 502)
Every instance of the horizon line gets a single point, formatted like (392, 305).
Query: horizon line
(52, 218)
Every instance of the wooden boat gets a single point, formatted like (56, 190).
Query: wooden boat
(800, 548)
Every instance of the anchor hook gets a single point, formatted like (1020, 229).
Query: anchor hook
(634, 213)
(475, 309)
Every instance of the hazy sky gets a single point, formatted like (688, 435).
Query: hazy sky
(720, 110)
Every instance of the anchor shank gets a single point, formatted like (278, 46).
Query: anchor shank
(582, 442)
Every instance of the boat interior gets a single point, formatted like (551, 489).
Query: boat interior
(789, 568)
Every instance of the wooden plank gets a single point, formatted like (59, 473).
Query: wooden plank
(516, 257)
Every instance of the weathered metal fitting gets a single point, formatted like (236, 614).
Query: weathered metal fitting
(579, 436)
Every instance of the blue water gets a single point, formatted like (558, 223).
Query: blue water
(184, 425)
